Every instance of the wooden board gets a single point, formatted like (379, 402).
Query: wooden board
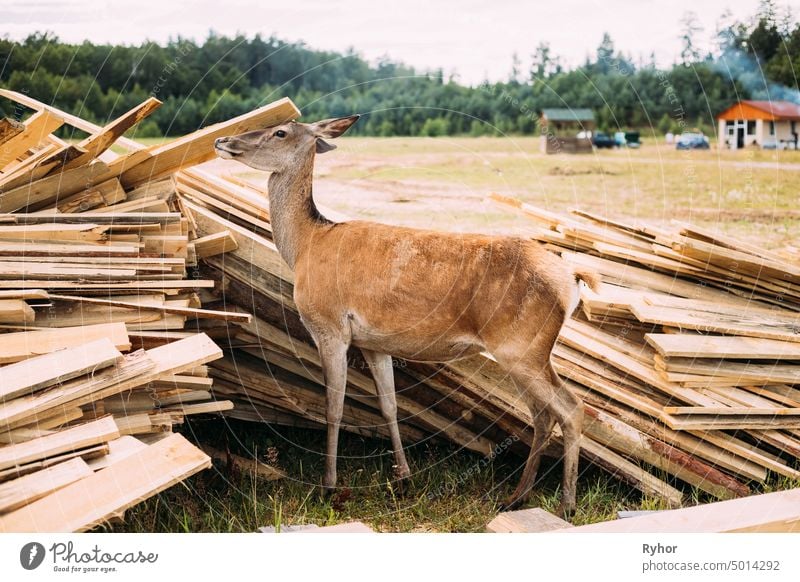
(101, 140)
(16, 311)
(18, 346)
(779, 328)
(214, 244)
(50, 189)
(27, 489)
(37, 128)
(104, 495)
(64, 441)
(715, 346)
(56, 367)
(771, 512)
(9, 128)
(535, 520)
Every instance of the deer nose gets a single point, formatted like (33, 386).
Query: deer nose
(220, 141)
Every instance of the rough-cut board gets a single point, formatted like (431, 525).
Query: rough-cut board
(187, 311)
(64, 441)
(198, 147)
(784, 328)
(101, 140)
(771, 512)
(9, 128)
(23, 490)
(534, 520)
(37, 128)
(52, 188)
(106, 494)
(56, 367)
(138, 369)
(214, 244)
(118, 449)
(671, 345)
(15, 311)
(22, 345)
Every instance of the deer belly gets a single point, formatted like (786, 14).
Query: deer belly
(415, 343)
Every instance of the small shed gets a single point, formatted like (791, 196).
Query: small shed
(765, 124)
(560, 129)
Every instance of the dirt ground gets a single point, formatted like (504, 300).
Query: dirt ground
(443, 183)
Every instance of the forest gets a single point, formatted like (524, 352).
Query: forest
(201, 83)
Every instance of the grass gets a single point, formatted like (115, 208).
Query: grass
(450, 490)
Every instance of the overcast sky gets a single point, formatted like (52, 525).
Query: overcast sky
(472, 38)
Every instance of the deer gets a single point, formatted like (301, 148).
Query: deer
(422, 295)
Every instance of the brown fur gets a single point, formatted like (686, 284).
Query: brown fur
(416, 294)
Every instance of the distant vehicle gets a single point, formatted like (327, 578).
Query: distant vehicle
(632, 139)
(603, 140)
(691, 141)
(628, 139)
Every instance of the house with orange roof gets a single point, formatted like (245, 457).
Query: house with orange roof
(765, 124)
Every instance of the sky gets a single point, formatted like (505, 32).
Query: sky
(470, 38)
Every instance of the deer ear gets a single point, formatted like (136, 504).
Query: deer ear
(323, 146)
(331, 128)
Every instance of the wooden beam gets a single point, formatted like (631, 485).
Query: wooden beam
(104, 495)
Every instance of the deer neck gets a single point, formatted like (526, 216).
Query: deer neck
(293, 214)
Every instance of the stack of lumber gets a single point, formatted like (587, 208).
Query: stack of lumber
(104, 336)
(686, 359)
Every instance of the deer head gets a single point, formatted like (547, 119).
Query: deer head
(278, 148)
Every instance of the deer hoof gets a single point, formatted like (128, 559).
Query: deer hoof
(510, 504)
(566, 511)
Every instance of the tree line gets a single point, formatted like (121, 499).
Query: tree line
(202, 83)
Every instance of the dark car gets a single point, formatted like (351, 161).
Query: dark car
(603, 140)
(692, 141)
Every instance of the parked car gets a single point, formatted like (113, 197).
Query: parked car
(632, 139)
(628, 139)
(692, 141)
(603, 140)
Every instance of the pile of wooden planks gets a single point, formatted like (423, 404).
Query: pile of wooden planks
(104, 336)
(687, 360)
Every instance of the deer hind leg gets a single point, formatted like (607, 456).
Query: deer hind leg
(333, 354)
(382, 372)
(542, 388)
(568, 409)
(543, 423)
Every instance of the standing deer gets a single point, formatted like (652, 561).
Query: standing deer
(415, 294)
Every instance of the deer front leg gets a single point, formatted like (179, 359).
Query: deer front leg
(334, 368)
(382, 372)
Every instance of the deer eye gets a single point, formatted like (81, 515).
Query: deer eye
(280, 133)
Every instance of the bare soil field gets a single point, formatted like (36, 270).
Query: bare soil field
(443, 182)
